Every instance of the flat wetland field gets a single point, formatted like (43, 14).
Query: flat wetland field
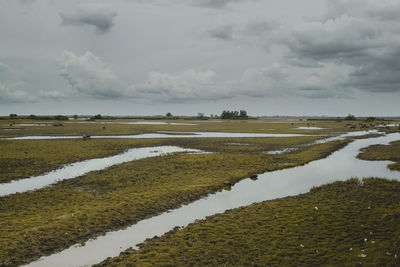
(343, 223)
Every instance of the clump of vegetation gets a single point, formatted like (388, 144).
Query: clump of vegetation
(96, 117)
(234, 115)
(350, 117)
(41, 222)
(351, 223)
(383, 152)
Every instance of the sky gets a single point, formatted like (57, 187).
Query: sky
(150, 57)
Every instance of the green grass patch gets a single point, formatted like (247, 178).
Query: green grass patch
(351, 223)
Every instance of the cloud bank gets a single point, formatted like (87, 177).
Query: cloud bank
(358, 40)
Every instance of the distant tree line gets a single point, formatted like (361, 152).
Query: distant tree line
(56, 117)
(234, 115)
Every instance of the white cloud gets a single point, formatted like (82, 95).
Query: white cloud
(88, 75)
(8, 95)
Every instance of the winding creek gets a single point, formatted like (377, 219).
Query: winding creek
(340, 165)
(80, 168)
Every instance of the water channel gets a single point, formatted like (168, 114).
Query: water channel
(80, 168)
(340, 165)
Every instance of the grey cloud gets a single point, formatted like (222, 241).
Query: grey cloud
(7, 73)
(224, 32)
(190, 85)
(99, 17)
(88, 75)
(53, 94)
(194, 86)
(8, 95)
(359, 36)
(27, 1)
(213, 3)
(10, 86)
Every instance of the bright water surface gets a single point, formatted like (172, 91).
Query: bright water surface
(340, 165)
(80, 168)
(311, 128)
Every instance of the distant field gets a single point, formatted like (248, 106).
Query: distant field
(31, 127)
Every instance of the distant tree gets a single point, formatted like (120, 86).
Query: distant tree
(169, 114)
(371, 118)
(243, 114)
(350, 118)
(13, 116)
(233, 115)
(61, 118)
(75, 117)
(96, 117)
(32, 117)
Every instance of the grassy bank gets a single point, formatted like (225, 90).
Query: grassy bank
(42, 222)
(350, 223)
(383, 152)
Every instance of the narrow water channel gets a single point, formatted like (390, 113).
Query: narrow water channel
(80, 168)
(340, 165)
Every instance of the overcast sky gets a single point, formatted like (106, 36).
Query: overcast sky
(148, 57)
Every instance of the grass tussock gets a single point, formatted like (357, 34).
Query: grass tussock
(44, 221)
(351, 223)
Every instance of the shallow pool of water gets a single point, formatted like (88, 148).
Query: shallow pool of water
(311, 128)
(80, 168)
(340, 165)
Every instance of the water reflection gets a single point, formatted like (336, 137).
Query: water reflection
(338, 166)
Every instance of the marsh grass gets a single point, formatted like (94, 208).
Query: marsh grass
(44, 221)
(351, 223)
(26, 158)
(383, 152)
(99, 128)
